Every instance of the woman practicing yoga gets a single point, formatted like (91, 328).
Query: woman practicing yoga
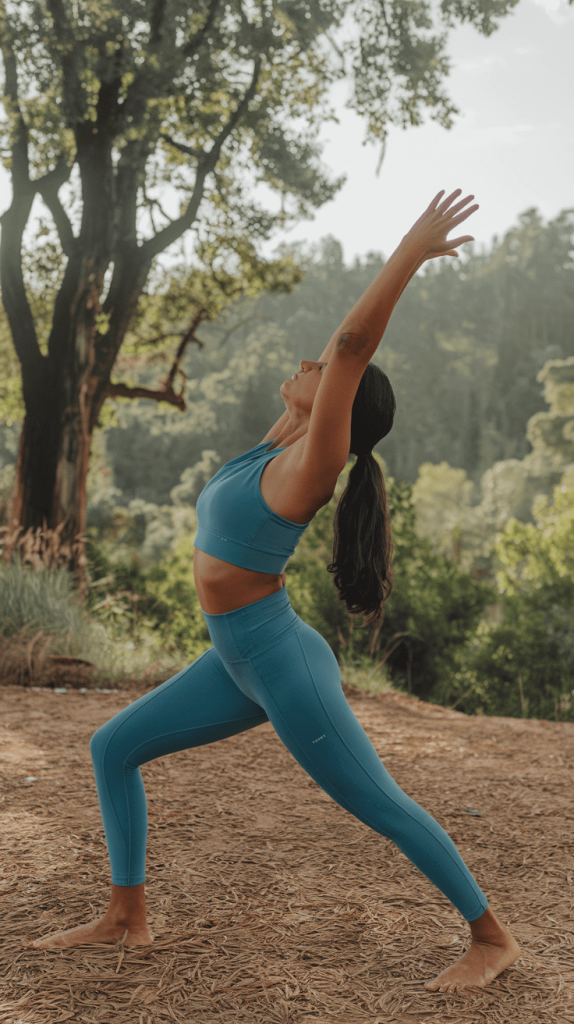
(266, 664)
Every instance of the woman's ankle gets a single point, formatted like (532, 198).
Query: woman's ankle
(487, 928)
(127, 906)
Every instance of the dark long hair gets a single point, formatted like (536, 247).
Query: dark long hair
(362, 542)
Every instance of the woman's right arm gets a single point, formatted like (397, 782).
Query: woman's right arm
(324, 357)
(447, 249)
(328, 437)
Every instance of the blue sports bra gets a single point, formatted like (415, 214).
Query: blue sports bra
(236, 524)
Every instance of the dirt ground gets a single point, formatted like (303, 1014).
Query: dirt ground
(269, 902)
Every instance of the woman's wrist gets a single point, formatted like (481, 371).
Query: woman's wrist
(412, 248)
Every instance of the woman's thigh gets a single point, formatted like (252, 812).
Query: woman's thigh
(298, 683)
(200, 704)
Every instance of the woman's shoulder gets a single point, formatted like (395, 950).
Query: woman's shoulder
(287, 490)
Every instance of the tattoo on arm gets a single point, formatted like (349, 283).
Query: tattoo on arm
(352, 343)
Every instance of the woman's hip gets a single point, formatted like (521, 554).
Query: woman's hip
(271, 653)
(242, 634)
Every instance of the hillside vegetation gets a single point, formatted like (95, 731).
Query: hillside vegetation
(479, 469)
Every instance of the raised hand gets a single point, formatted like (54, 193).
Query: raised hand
(428, 234)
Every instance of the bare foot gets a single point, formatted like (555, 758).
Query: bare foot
(481, 963)
(100, 931)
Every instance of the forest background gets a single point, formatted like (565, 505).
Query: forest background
(480, 461)
(479, 468)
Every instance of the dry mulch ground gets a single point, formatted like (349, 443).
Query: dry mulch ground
(269, 902)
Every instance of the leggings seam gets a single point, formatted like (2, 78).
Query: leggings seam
(223, 721)
(127, 803)
(260, 650)
(375, 783)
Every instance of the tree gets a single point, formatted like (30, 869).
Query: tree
(523, 664)
(107, 102)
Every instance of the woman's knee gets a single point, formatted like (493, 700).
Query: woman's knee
(100, 741)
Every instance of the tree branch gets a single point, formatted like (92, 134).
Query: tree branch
(75, 98)
(235, 327)
(189, 336)
(149, 249)
(150, 202)
(48, 187)
(188, 150)
(166, 392)
(195, 42)
(159, 395)
(156, 21)
(162, 337)
(20, 169)
(14, 220)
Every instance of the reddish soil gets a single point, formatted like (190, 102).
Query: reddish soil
(270, 903)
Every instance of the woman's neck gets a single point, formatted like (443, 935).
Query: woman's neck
(290, 434)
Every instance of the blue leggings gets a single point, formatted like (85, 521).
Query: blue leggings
(266, 664)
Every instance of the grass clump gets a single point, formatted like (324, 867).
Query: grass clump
(38, 599)
(365, 674)
(43, 600)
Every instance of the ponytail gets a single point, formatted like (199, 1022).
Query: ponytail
(362, 541)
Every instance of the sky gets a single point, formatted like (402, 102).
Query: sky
(512, 145)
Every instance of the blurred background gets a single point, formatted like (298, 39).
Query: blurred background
(480, 352)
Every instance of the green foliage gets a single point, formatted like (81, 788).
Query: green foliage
(116, 640)
(106, 104)
(153, 450)
(451, 351)
(511, 491)
(539, 554)
(365, 674)
(433, 611)
(440, 494)
(159, 599)
(38, 600)
(176, 606)
(226, 276)
(11, 401)
(213, 102)
(523, 665)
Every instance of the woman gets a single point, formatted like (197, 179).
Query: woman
(266, 664)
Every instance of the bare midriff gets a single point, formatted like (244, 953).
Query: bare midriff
(223, 587)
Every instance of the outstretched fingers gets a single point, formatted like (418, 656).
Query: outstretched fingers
(462, 216)
(460, 206)
(446, 202)
(455, 242)
(434, 202)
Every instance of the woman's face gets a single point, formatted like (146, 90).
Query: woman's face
(299, 391)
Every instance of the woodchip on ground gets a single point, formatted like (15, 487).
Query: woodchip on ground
(269, 902)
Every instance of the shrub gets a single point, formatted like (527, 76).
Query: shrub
(158, 599)
(433, 610)
(38, 599)
(523, 666)
(43, 600)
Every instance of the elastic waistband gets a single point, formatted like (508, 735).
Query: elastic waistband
(247, 631)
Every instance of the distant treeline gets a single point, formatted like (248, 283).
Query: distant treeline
(463, 349)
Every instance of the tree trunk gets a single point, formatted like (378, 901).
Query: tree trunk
(53, 461)
(64, 396)
(64, 390)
